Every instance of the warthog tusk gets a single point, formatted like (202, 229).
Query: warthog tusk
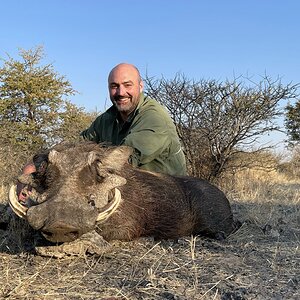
(112, 208)
(14, 203)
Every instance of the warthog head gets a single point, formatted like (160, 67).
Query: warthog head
(76, 188)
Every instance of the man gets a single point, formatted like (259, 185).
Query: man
(140, 122)
(134, 120)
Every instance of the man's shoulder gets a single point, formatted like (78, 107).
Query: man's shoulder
(151, 105)
(152, 113)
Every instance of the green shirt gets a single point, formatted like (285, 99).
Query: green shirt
(149, 130)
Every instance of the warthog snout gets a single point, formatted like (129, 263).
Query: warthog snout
(61, 232)
(59, 222)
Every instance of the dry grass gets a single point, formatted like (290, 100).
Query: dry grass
(259, 261)
(257, 185)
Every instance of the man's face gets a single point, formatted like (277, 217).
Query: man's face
(125, 86)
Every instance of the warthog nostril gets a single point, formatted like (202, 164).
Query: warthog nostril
(60, 231)
(61, 236)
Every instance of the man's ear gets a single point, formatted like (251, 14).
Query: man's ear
(141, 86)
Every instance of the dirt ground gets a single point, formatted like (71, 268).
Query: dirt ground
(259, 261)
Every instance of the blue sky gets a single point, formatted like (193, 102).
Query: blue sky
(211, 39)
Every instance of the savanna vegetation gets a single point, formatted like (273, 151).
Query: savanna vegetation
(219, 124)
(35, 110)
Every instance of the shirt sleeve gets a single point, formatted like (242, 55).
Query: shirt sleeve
(149, 136)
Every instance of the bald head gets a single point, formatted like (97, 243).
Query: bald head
(125, 85)
(125, 68)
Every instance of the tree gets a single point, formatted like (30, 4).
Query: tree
(217, 120)
(291, 168)
(34, 110)
(73, 120)
(292, 122)
(31, 98)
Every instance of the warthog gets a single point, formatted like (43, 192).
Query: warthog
(84, 187)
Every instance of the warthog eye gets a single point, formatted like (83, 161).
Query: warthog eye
(91, 200)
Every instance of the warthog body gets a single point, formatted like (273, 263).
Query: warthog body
(85, 187)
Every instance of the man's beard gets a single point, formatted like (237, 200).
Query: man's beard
(124, 107)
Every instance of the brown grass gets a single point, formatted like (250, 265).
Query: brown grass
(258, 261)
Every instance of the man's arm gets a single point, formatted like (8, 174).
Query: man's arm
(150, 137)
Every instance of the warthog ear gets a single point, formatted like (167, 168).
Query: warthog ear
(117, 157)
